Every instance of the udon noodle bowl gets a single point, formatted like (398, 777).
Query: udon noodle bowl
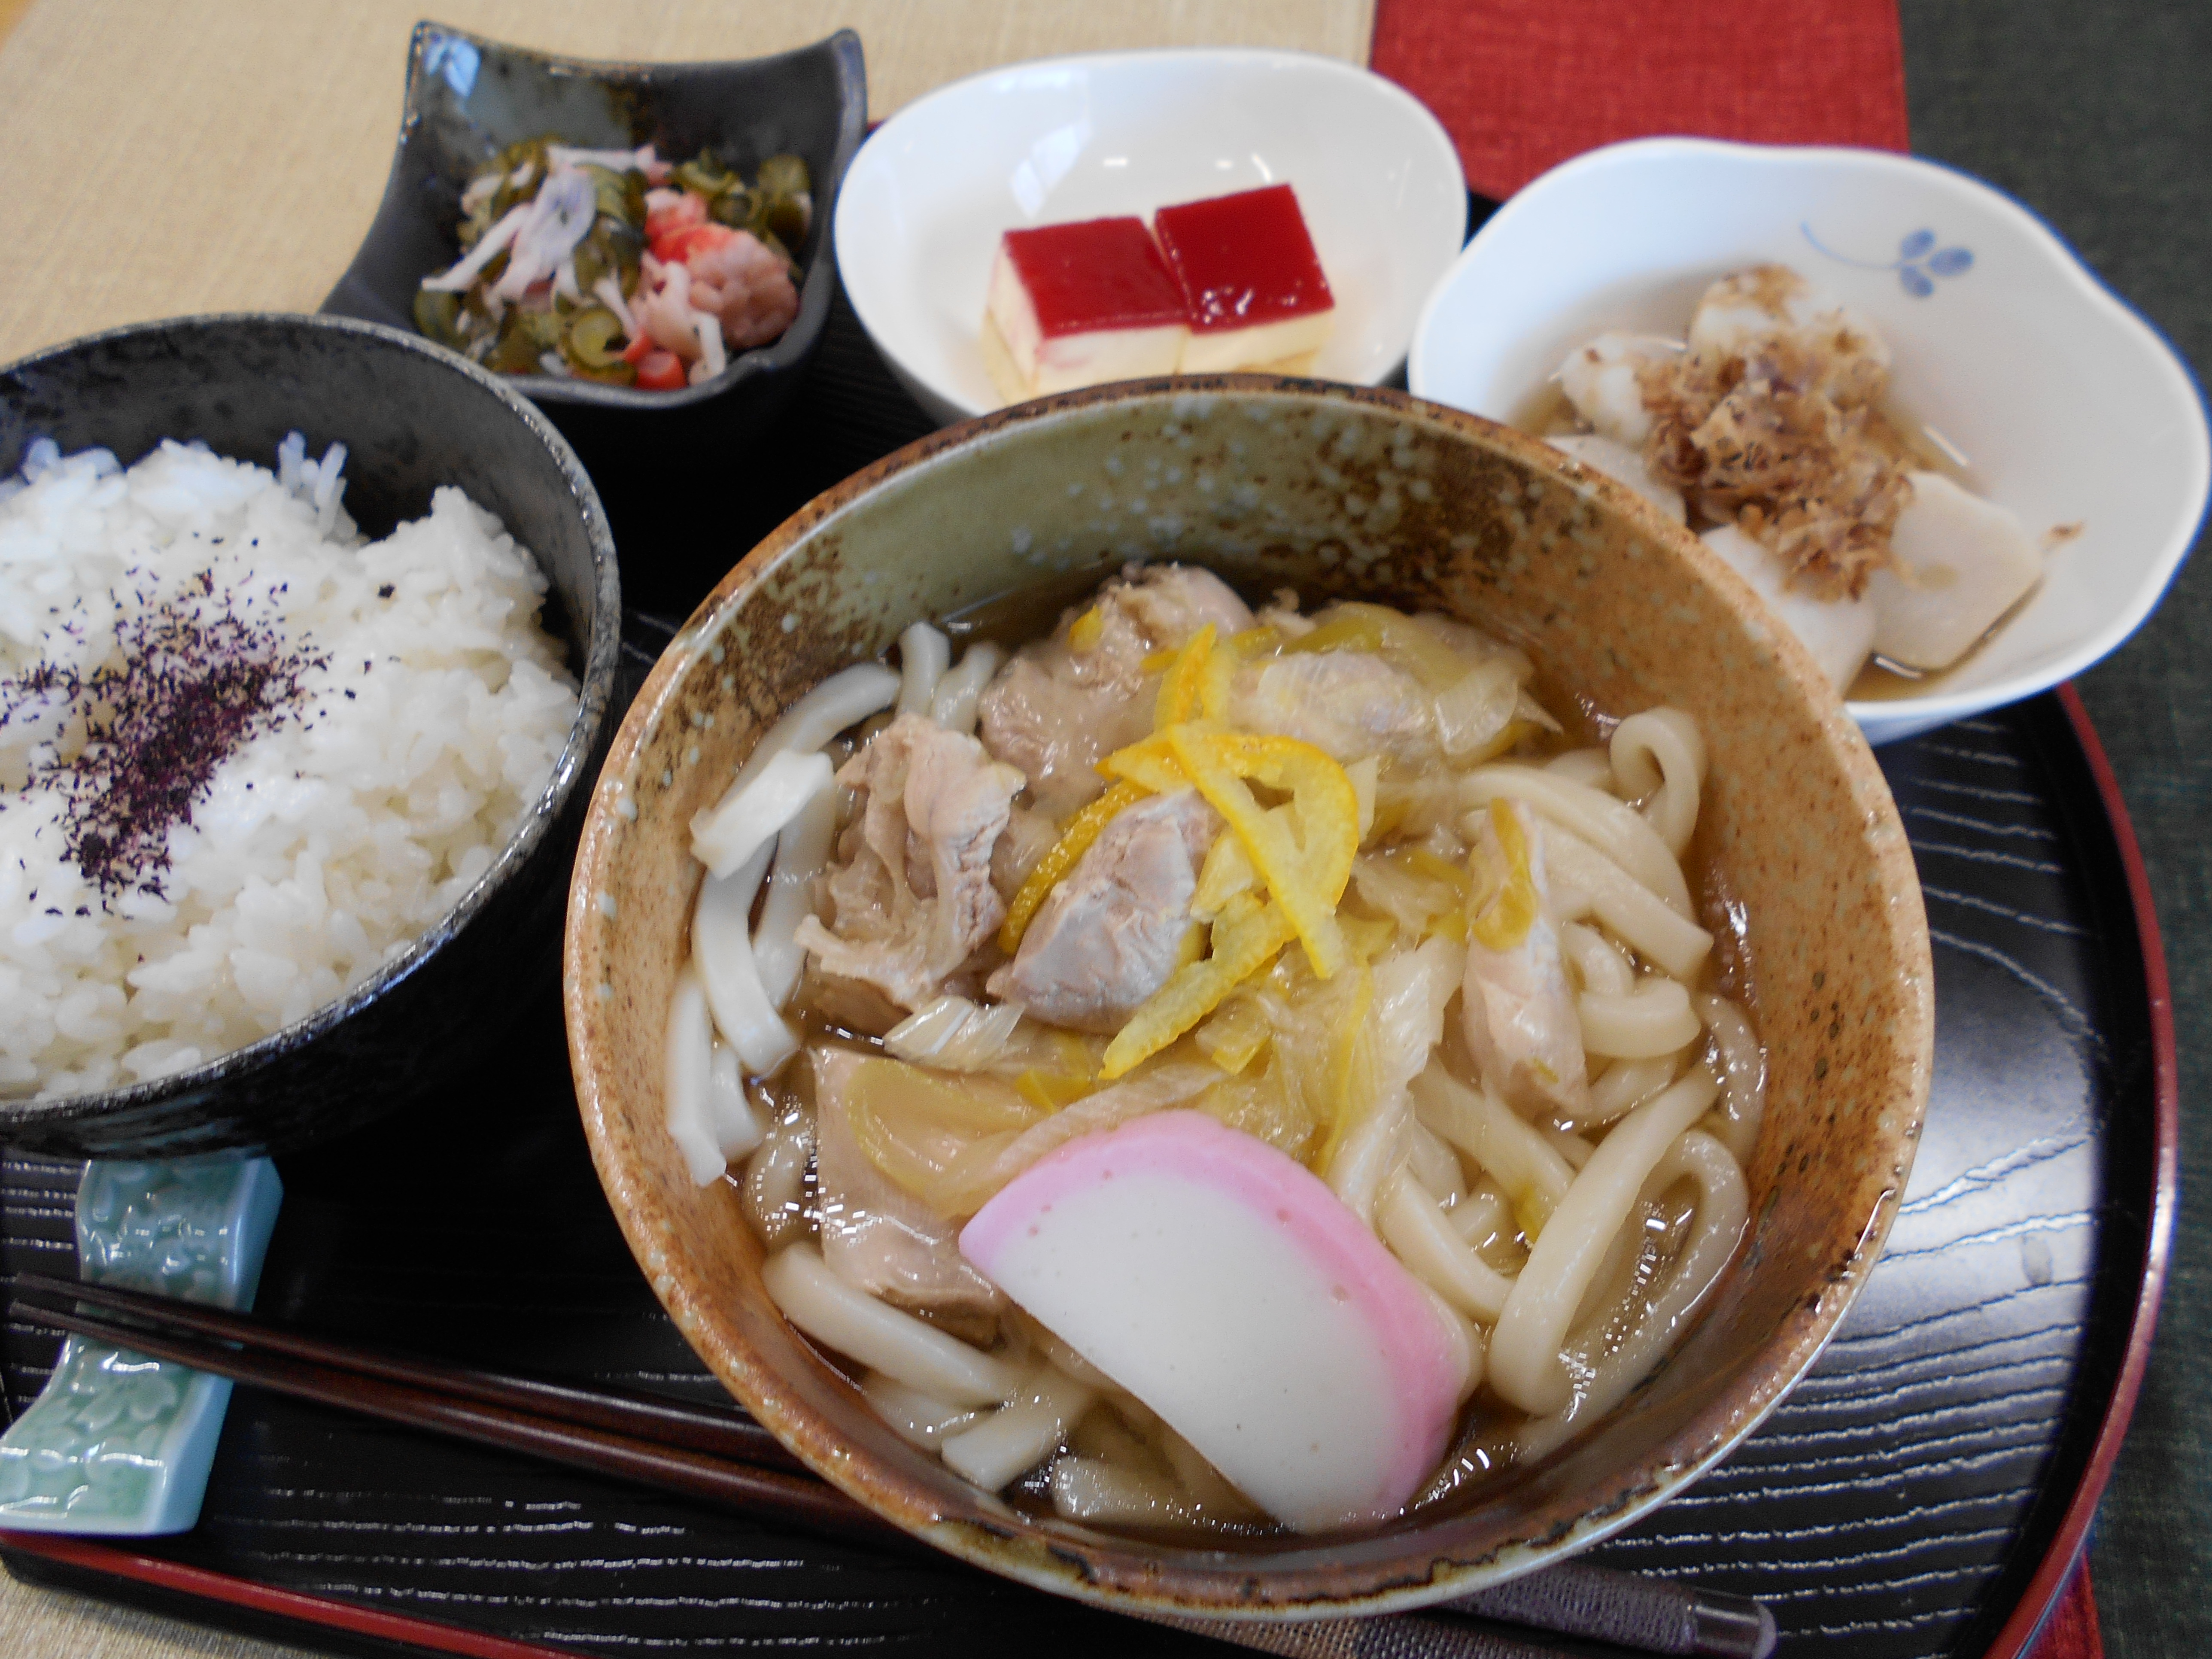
(1220, 1069)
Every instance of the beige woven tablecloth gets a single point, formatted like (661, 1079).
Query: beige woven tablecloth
(227, 154)
(168, 156)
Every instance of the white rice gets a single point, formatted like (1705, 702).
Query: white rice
(428, 719)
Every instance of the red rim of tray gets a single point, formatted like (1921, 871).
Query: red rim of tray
(2037, 1601)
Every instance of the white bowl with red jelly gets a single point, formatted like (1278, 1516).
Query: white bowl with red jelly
(921, 223)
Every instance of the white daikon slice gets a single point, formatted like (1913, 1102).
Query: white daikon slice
(1839, 633)
(1966, 562)
(1599, 380)
(1622, 466)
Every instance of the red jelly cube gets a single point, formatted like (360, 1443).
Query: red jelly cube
(1255, 285)
(1079, 305)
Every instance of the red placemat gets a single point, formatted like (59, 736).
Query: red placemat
(1522, 85)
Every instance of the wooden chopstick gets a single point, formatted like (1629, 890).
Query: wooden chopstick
(686, 1424)
(800, 1498)
(724, 1456)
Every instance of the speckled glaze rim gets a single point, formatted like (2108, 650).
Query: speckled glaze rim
(816, 287)
(1119, 1573)
(596, 687)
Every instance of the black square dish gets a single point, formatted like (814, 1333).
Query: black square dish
(468, 98)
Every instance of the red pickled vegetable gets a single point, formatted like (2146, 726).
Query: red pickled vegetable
(661, 371)
(680, 246)
(665, 223)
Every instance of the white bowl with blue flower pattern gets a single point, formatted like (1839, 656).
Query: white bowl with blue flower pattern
(2067, 408)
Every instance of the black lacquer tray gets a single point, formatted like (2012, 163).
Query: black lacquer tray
(1923, 1491)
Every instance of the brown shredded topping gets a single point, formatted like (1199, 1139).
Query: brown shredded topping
(1784, 442)
(1771, 288)
(183, 692)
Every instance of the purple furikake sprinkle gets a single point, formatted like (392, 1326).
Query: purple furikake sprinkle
(184, 691)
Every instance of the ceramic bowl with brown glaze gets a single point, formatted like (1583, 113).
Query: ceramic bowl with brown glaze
(1336, 492)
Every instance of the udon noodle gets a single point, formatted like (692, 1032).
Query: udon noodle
(1337, 884)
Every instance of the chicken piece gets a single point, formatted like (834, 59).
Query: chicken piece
(1350, 703)
(876, 1235)
(1169, 603)
(1062, 704)
(1516, 1004)
(850, 1005)
(1622, 466)
(912, 889)
(1603, 381)
(1041, 717)
(1281, 614)
(1840, 632)
(1961, 563)
(1743, 311)
(1108, 936)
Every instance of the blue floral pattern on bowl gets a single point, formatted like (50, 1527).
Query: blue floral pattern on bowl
(1918, 261)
